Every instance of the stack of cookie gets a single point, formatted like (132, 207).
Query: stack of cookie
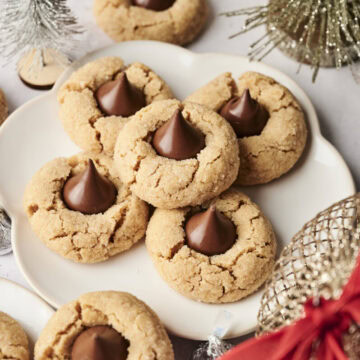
(207, 239)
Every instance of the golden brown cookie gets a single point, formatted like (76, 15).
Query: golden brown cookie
(123, 312)
(80, 114)
(180, 24)
(14, 343)
(72, 234)
(169, 183)
(223, 278)
(281, 143)
(3, 107)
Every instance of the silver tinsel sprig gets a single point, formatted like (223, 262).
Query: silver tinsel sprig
(36, 24)
(316, 32)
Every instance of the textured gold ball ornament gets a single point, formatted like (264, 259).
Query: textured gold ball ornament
(317, 263)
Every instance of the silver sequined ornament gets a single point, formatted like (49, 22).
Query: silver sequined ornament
(5, 233)
(315, 32)
(318, 262)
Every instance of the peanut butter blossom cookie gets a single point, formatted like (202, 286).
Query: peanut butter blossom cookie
(173, 21)
(267, 119)
(218, 252)
(175, 154)
(101, 96)
(3, 107)
(14, 343)
(80, 208)
(104, 325)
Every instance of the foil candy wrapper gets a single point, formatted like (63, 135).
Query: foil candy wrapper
(216, 346)
(5, 233)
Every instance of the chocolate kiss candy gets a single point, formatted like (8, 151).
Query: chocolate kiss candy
(210, 232)
(100, 343)
(157, 5)
(245, 115)
(89, 192)
(119, 97)
(177, 139)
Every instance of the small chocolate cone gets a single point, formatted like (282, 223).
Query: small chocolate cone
(177, 139)
(210, 232)
(100, 343)
(156, 5)
(89, 192)
(119, 97)
(245, 115)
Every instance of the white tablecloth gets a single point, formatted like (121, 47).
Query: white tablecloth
(335, 96)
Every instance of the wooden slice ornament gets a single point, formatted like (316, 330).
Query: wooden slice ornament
(39, 69)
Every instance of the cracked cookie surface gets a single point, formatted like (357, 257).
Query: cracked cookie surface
(76, 236)
(220, 278)
(82, 119)
(122, 311)
(168, 183)
(14, 343)
(180, 24)
(3, 107)
(281, 143)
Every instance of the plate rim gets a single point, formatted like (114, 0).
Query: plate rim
(311, 112)
(29, 292)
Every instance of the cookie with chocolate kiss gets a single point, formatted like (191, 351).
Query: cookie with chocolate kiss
(245, 115)
(173, 21)
(100, 343)
(177, 139)
(210, 232)
(87, 214)
(113, 326)
(219, 255)
(119, 97)
(177, 162)
(89, 192)
(156, 5)
(278, 146)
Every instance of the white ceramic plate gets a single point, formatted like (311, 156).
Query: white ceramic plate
(25, 307)
(33, 135)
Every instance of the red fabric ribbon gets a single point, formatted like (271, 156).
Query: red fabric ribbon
(323, 324)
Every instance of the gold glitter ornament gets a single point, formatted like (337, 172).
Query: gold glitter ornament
(317, 263)
(315, 32)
